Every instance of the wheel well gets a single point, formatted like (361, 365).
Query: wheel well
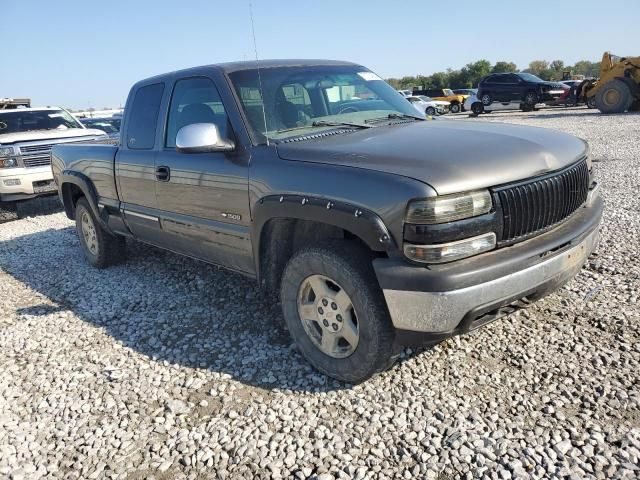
(282, 237)
(70, 195)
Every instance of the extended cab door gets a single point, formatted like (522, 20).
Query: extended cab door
(135, 161)
(203, 200)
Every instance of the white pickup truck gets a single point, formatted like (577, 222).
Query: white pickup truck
(26, 138)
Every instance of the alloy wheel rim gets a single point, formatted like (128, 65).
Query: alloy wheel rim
(328, 316)
(89, 233)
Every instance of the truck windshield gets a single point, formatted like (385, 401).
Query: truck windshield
(305, 100)
(15, 121)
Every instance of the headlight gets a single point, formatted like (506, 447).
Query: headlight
(6, 152)
(8, 162)
(448, 252)
(448, 208)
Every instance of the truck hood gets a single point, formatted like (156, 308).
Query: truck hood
(450, 155)
(35, 135)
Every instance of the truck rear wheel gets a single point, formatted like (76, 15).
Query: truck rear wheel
(614, 97)
(100, 248)
(8, 211)
(335, 311)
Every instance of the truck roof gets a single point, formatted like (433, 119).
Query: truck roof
(29, 109)
(229, 67)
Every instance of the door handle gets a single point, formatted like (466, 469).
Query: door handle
(163, 174)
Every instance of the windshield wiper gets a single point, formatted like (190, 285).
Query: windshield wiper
(328, 123)
(395, 116)
(325, 123)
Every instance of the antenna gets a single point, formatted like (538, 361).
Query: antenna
(255, 49)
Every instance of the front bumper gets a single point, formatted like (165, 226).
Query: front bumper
(24, 183)
(443, 300)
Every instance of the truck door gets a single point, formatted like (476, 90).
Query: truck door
(135, 162)
(203, 199)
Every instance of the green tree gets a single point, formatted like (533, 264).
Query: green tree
(474, 72)
(557, 65)
(502, 67)
(538, 66)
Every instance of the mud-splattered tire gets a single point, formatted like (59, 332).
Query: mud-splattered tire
(100, 248)
(614, 97)
(335, 311)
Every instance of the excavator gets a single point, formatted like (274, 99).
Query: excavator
(618, 88)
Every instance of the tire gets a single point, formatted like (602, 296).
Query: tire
(100, 248)
(477, 108)
(486, 99)
(8, 211)
(591, 102)
(614, 97)
(454, 108)
(526, 108)
(531, 98)
(430, 111)
(357, 326)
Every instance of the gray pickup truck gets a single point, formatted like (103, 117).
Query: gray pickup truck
(378, 228)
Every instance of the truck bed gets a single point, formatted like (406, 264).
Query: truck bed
(95, 161)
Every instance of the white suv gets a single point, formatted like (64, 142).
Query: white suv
(26, 138)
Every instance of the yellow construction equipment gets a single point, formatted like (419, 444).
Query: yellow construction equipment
(618, 88)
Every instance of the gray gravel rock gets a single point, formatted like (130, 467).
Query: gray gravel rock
(168, 368)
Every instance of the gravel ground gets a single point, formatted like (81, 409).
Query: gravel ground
(168, 368)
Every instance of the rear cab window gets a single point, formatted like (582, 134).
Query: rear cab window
(143, 120)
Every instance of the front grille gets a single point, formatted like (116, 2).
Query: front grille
(529, 208)
(40, 155)
(37, 161)
(36, 148)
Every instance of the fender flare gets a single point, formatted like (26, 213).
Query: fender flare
(87, 187)
(362, 223)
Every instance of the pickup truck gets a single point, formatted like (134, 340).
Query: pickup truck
(26, 138)
(377, 228)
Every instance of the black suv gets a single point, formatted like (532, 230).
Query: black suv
(518, 87)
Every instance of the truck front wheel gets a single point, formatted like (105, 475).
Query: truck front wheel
(100, 248)
(335, 311)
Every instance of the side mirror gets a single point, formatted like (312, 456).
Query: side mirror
(202, 138)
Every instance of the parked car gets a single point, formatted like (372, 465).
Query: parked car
(26, 138)
(465, 91)
(518, 87)
(405, 93)
(428, 106)
(376, 227)
(109, 125)
(446, 95)
(475, 106)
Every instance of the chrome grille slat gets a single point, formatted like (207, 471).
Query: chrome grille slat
(531, 207)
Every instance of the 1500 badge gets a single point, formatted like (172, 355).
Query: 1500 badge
(231, 216)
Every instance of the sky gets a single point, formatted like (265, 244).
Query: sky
(80, 54)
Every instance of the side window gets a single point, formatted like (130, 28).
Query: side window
(195, 100)
(141, 128)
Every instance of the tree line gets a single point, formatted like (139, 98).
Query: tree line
(470, 75)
